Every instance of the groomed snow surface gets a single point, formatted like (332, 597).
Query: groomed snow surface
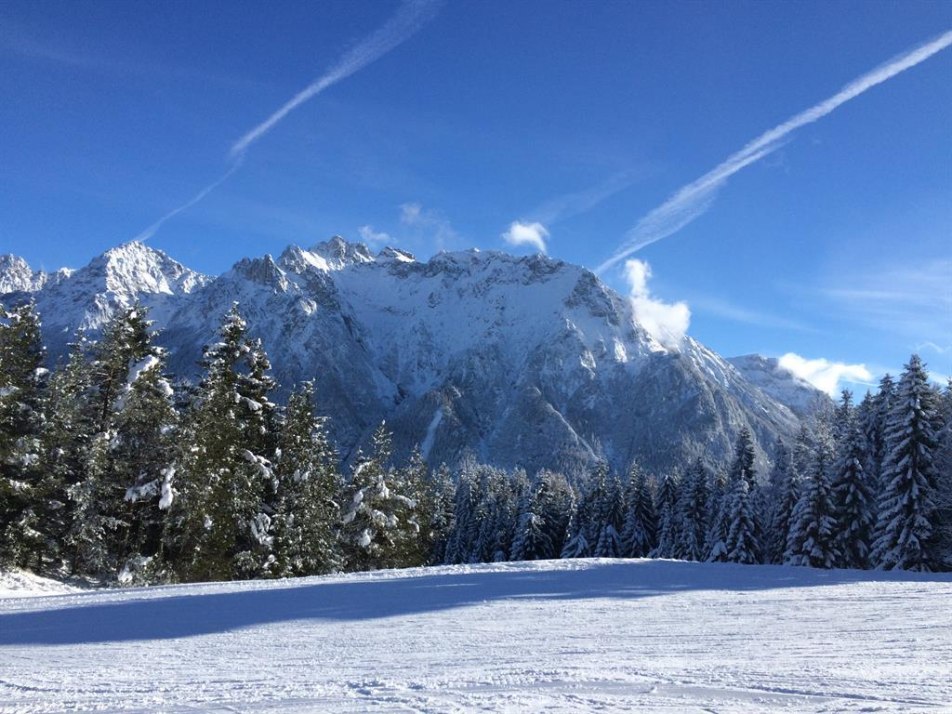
(557, 636)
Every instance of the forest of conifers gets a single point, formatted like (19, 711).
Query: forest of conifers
(110, 473)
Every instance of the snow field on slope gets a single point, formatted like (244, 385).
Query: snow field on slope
(562, 636)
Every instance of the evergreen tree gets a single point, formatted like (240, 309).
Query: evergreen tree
(741, 544)
(555, 499)
(874, 415)
(306, 512)
(944, 481)
(785, 492)
(532, 540)
(22, 379)
(668, 522)
(140, 426)
(376, 516)
(641, 522)
(744, 531)
(852, 495)
(442, 496)
(715, 544)
(811, 540)
(905, 530)
(218, 527)
(65, 441)
(693, 513)
(610, 517)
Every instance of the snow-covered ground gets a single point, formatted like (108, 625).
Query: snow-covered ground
(563, 636)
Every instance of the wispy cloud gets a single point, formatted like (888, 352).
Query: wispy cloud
(667, 322)
(532, 234)
(825, 375)
(572, 204)
(411, 16)
(437, 228)
(369, 235)
(692, 200)
(729, 311)
(914, 301)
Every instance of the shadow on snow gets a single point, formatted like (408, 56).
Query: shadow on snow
(161, 614)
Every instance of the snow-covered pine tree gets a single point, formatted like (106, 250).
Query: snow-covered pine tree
(591, 510)
(374, 513)
(715, 544)
(64, 457)
(785, 492)
(442, 493)
(497, 513)
(874, 416)
(129, 373)
(944, 480)
(693, 512)
(666, 503)
(811, 540)
(852, 494)
(462, 534)
(576, 545)
(611, 515)
(306, 511)
(413, 544)
(22, 380)
(641, 521)
(532, 540)
(744, 531)
(905, 529)
(556, 501)
(741, 544)
(218, 527)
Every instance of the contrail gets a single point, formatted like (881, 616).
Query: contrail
(692, 200)
(153, 229)
(411, 16)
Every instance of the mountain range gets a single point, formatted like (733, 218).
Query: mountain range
(517, 361)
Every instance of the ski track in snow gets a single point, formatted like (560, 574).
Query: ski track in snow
(555, 636)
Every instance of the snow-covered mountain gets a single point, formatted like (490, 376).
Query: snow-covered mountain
(783, 385)
(516, 360)
(88, 297)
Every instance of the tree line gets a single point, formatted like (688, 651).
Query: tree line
(108, 471)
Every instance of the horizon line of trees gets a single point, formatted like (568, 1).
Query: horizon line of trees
(109, 472)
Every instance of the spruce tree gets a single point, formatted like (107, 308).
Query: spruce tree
(669, 524)
(715, 544)
(306, 511)
(65, 443)
(812, 538)
(22, 380)
(741, 545)
(785, 490)
(692, 512)
(218, 526)
(905, 529)
(852, 495)
(744, 530)
(641, 522)
(375, 520)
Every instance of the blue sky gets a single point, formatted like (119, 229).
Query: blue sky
(464, 117)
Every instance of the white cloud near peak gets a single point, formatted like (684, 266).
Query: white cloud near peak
(369, 235)
(533, 234)
(824, 374)
(666, 322)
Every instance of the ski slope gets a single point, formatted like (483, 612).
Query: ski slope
(556, 636)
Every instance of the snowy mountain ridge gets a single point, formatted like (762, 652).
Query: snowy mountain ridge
(515, 360)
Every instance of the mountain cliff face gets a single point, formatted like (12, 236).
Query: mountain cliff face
(516, 360)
